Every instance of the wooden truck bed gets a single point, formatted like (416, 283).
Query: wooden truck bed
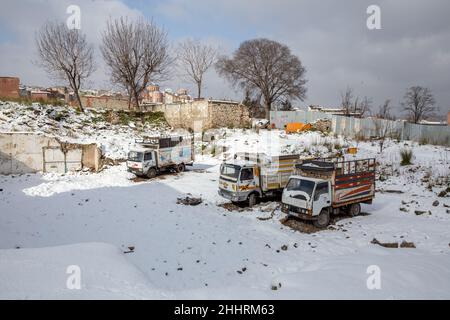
(354, 181)
(351, 180)
(274, 170)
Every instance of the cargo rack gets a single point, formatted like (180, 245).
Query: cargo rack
(340, 165)
(165, 141)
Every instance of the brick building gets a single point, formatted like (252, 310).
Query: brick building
(9, 87)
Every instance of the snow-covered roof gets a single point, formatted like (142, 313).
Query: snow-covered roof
(140, 149)
(240, 162)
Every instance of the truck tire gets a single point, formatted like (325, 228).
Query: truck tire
(252, 199)
(323, 219)
(354, 209)
(151, 173)
(180, 168)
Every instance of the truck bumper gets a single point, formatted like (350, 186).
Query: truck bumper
(297, 212)
(137, 172)
(232, 196)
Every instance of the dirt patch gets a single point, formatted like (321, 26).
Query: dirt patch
(139, 179)
(236, 207)
(306, 226)
(158, 177)
(299, 225)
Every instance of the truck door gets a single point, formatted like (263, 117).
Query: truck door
(149, 161)
(322, 197)
(247, 180)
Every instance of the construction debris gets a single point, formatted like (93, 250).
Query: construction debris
(189, 201)
(395, 245)
(322, 125)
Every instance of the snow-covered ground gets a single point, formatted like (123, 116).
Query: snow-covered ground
(208, 252)
(44, 273)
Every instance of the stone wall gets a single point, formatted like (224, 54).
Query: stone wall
(205, 114)
(9, 87)
(225, 114)
(196, 115)
(109, 103)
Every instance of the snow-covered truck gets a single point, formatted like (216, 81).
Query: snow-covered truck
(251, 176)
(152, 155)
(323, 187)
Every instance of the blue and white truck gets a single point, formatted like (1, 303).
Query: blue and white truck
(152, 155)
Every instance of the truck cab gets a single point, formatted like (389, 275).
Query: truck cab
(239, 181)
(140, 160)
(306, 197)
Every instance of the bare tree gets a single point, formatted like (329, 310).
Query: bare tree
(65, 54)
(383, 130)
(419, 103)
(255, 108)
(267, 67)
(137, 53)
(384, 111)
(347, 101)
(195, 59)
(286, 105)
(383, 122)
(354, 105)
(364, 106)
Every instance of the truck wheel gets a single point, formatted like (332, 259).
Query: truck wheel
(180, 168)
(354, 210)
(323, 219)
(151, 173)
(252, 200)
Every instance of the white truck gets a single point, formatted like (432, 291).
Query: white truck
(323, 187)
(152, 155)
(251, 176)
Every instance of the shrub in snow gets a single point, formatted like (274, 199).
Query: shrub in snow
(406, 155)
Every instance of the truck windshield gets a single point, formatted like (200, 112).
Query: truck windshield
(300, 185)
(230, 171)
(135, 156)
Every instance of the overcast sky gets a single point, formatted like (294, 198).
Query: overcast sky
(330, 37)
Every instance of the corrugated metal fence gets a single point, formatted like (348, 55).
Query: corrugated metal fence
(366, 128)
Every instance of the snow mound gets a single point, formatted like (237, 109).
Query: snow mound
(41, 273)
(403, 274)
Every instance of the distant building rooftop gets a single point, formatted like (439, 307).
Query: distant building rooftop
(334, 111)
